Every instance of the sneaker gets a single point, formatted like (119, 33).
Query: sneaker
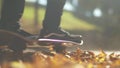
(19, 31)
(14, 28)
(61, 35)
(23, 33)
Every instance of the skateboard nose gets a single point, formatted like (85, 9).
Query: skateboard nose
(12, 40)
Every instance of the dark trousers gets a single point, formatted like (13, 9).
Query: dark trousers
(53, 14)
(12, 11)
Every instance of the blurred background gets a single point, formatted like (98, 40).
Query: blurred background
(96, 20)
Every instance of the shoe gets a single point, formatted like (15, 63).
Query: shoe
(18, 31)
(14, 28)
(60, 34)
(23, 33)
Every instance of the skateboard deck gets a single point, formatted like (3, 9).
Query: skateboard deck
(17, 42)
(59, 46)
(13, 40)
(57, 41)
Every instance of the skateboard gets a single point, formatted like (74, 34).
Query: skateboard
(57, 41)
(17, 42)
(58, 45)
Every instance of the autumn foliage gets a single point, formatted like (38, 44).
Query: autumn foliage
(76, 59)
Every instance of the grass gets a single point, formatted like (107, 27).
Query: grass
(68, 22)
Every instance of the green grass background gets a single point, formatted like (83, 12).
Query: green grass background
(69, 21)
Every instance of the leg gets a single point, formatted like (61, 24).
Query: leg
(53, 14)
(11, 13)
(51, 24)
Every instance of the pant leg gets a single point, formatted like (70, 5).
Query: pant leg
(11, 13)
(53, 14)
